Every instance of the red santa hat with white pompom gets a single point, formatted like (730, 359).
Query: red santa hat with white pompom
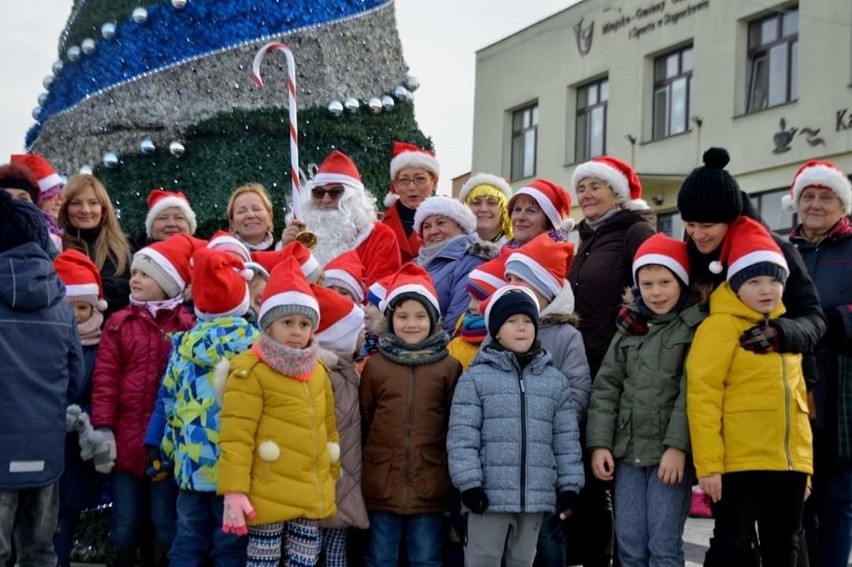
(823, 174)
(408, 155)
(621, 178)
(81, 277)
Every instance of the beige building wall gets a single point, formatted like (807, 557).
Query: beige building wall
(543, 64)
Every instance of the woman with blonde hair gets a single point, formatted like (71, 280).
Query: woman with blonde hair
(91, 226)
(250, 217)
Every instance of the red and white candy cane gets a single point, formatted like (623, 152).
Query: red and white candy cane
(291, 103)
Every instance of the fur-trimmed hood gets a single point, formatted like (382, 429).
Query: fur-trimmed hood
(561, 309)
(483, 249)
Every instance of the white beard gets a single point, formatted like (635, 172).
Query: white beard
(335, 230)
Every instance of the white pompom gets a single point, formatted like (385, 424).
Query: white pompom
(788, 204)
(269, 451)
(247, 274)
(333, 452)
(389, 199)
(716, 267)
(101, 305)
(567, 225)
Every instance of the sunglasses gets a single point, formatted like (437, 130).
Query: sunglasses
(333, 193)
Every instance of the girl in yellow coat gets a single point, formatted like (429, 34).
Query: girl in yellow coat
(748, 412)
(278, 437)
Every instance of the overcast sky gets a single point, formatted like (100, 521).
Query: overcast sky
(439, 40)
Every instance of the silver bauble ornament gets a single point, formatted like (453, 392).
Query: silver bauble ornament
(73, 53)
(411, 83)
(401, 93)
(42, 98)
(179, 4)
(147, 146)
(388, 103)
(88, 46)
(47, 81)
(375, 105)
(176, 149)
(140, 15)
(86, 170)
(108, 30)
(351, 104)
(36, 112)
(57, 66)
(335, 108)
(110, 160)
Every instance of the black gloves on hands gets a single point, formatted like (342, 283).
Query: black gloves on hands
(475, 499)
(566, 503)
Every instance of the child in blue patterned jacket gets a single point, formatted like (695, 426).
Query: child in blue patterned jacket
(188, 429)
(513, 440)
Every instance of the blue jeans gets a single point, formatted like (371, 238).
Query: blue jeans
(422, 532)
(29, 516)
(550, 551)
(131, 497)
(200, 525)
(650, 516)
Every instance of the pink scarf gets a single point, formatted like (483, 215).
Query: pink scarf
(90, 331)
(298, 363)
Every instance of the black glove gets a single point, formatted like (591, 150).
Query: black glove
(761, 339)
(567, 503)
(475, 499)
(154, 464)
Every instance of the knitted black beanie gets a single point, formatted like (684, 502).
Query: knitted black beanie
(758, 269)
(511, 303)
(21, 222)
(709, 194)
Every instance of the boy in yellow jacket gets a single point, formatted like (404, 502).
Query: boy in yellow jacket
(278, 437)
(748, 412)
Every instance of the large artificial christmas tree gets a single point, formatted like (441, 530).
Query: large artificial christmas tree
(161, 95)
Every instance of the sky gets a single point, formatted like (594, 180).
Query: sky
(439, 40)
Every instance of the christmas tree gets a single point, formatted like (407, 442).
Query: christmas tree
(161, 95)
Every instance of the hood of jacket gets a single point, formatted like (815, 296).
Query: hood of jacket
(28, 281)
(725, 301)
(561, 309)
(209, 341)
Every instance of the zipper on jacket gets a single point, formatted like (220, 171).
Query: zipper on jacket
(407, 442)
(523, 481)
(787, 418)
(314, 441)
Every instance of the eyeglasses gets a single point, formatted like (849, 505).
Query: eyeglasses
(333, 193)
(419, 181)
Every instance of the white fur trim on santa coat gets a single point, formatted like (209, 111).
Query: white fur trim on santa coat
(167, 203)
(333, 452)
(611, 176)
(415, 159)
(819, 176)
(445, 207)
(485, 179)
(220, 378)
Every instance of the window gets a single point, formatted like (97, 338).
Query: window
(524, 135)
(591, 120)
(773, 56)
(672, 92)
(773, 214)
(671, 225)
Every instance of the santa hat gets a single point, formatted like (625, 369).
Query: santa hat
(160, 200)
(542, 263)
(750, 251)
(411, 279)
(49, 182)
(662, 250)
(288, 293)
(336, 169)
(553, 200)
(346, 271)
(445, 207)
(341, 320)
(378, 290)
(220, 287)
(615, 173)
(81, 277)
(227, 242)
(167, 262)
(487, 278)
(488, 181)
(507, 301)
(309, 265)
(408, 155)
(819, 173)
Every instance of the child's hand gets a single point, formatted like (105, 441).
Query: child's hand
(671, 466)
(237, 508)
(602, 463)
(712, 486)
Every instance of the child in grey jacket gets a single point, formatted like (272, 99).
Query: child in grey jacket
(513, 440)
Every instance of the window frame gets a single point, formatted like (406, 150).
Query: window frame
(667, 83)
(583, 151)
(521, 134)
(759, 51)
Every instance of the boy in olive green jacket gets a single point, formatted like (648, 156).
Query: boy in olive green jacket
(637, 431)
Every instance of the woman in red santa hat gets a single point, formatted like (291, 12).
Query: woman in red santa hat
(169, 213)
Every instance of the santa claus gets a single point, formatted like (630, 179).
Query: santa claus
(343, 216)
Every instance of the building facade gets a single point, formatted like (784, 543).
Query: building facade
(656, 82)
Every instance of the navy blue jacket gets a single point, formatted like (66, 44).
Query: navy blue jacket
(42, 368)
